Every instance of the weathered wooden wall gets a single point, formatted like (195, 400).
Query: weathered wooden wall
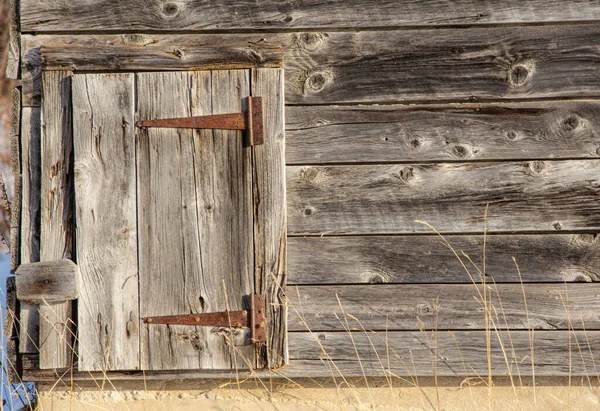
(395, 112)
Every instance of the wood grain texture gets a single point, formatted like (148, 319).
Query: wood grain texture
(195, 219)
(402, 353)
(460, 65)
(460, 353)
(105, 198)
(530, 196)
(30, 218)
(442, 132)
(57, 222)
(270, 236)
(80, 15)
(48, 281)
(443, 306)
(428, 259)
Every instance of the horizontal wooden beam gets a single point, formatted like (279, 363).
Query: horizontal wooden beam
(81, 15)
(461, 65)
(404, 354)
(523, 196)
(443, 307)
(372, 134)
(428, 259)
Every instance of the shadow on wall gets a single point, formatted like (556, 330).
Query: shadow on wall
(14, 396)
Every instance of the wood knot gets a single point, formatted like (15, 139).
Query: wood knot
(519, 74)
(136, 39)
(536, 167)
(375, 278)
(571, 123)
(310, 41)
(310, 175)
(308, 211)
(557, 226)
(416, 143)
(322, 337)
(315, 81)
(170, 10)
(425, 309)
(513, 135)
(406, 174)
(461, 150)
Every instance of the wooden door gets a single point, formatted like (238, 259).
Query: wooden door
(176, 221)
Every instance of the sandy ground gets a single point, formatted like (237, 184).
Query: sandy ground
(451, 394)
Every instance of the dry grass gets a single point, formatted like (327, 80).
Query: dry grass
(395, 370)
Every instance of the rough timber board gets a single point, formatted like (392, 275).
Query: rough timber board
(428, 259)
(405, 354)
(64, 15)
(190, 186)
(462, 65)
(30, 219)
(373, 134)
(56, 238)
(529, 196)
(105, 198)
(270, 237)
(443, 307)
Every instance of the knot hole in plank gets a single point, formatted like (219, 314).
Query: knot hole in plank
(519, 74)
(315, 81)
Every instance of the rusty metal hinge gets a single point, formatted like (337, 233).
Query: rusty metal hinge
(251, 120)
(254, 319)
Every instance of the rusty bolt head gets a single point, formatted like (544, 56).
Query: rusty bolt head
(149, 319)
(244, 313)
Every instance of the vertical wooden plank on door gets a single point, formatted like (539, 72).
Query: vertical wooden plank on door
(270, 214)
(56, 239)
(169, 248)
(195, 220)
(30, 220)
(224, 190)
(105, 198)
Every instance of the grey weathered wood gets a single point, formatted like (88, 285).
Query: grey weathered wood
(30, 219)
(48, 281)
(443, 306)
(64, 15)
(442, 132)
(15, 192)
(462, 65)
(270, 213)
(459, 354)
(427, 259)
(57, 223)
(388, 199)
(105, 198)
(195, 220)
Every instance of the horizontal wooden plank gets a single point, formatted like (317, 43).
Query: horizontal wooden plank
(82, 15)
(443, 307)
(360, 134)
(389, 199)
(428, 259)
(401, 353)
(462, 65)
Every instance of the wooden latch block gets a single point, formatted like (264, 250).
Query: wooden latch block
(46, 282)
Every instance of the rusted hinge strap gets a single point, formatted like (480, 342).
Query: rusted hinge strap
(251, 120)
(253, 319)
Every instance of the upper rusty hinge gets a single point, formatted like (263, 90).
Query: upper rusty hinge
(253, 319)
(251, 120)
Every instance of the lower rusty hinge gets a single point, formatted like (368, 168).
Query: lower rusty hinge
(251, 121)
(253, 319)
